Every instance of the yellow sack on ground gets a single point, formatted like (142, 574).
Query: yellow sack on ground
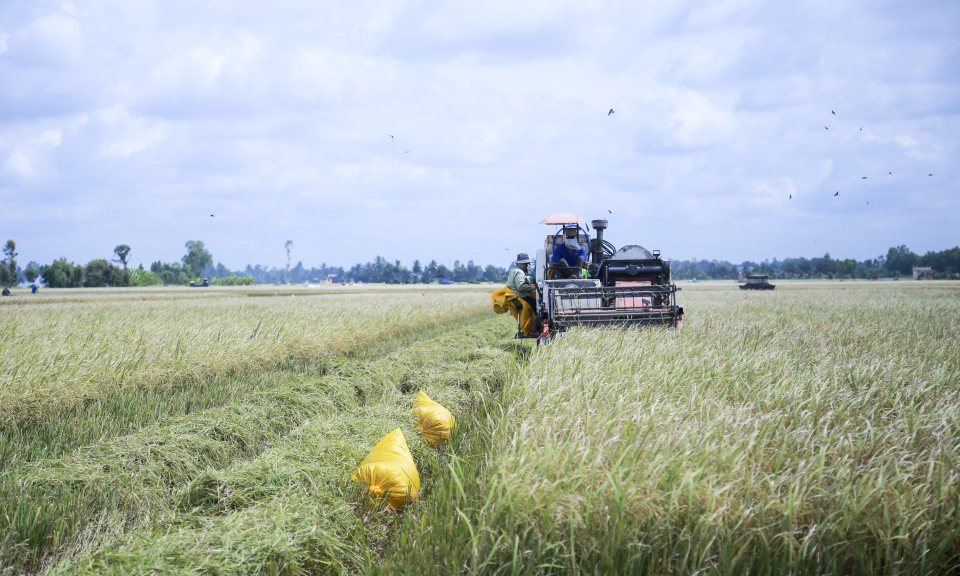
(389, 472)
(434, 421)
(505, 300)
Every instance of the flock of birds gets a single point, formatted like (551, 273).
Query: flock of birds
(837, 193)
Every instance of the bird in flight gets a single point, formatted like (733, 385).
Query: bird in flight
(212, 215)
(889, 172)
(929, 174)
(861, 128)
(610, 112)
(610, 211)
(406, 151)
(825, 128)
(832, 112)
(791, 196)
(864, 178)
(391, 137)
(838, 193)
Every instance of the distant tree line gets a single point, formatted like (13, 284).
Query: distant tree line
(381, 270)
(899, 261)
(197, 264)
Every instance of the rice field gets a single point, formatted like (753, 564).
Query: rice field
(74, 354)
(113, 402)
(809, 430)
(58, 352)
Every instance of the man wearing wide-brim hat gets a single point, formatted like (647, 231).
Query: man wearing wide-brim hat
(518, 297)
(517, 280)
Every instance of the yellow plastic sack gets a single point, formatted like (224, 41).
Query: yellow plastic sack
(502, 304)
(434, 421)
(389, 472)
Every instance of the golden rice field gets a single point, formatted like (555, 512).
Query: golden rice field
(809, 430)
(65, 346)
(119, 406)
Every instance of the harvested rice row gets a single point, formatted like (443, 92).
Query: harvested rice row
(288, 447)
(58, 356)
(61, 430)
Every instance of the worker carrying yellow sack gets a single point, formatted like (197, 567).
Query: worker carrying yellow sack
(434, 422)
(519, 296)
(389, 472)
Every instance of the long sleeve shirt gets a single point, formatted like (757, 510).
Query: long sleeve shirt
(517, 281)
(562, 251)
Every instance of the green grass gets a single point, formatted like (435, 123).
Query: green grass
(79, 474)
(58, 355)
(291, 507)
(810, 430)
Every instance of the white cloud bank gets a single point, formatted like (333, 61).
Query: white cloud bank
(131, 123)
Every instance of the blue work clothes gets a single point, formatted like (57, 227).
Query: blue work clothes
(561, 251)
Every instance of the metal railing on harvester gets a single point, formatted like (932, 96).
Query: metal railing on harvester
(620, 305)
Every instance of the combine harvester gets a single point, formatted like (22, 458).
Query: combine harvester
(626, 287)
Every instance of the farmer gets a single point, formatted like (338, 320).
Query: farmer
(518, 297)
(6, 291)
(569, 257)
(518, 282)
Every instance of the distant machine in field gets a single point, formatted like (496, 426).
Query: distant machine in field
(757, 282)
(626, 287)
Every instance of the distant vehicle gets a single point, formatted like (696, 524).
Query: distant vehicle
(757, 282)
(874, 277)
(205, 284)
(445, 280)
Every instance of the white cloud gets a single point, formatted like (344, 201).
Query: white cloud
(199, 66)
(21, 164)
(51, 138)
(126, 135)
(28, 157)
(696, 121)
(317, 73)
(278, 116)
(54, 41)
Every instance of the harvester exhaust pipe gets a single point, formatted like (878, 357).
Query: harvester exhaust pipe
(599, 226)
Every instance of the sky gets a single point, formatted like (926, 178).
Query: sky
(134, 122)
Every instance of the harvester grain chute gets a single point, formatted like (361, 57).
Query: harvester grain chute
(626, 287)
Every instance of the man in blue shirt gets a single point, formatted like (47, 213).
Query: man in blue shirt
(568, 258)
